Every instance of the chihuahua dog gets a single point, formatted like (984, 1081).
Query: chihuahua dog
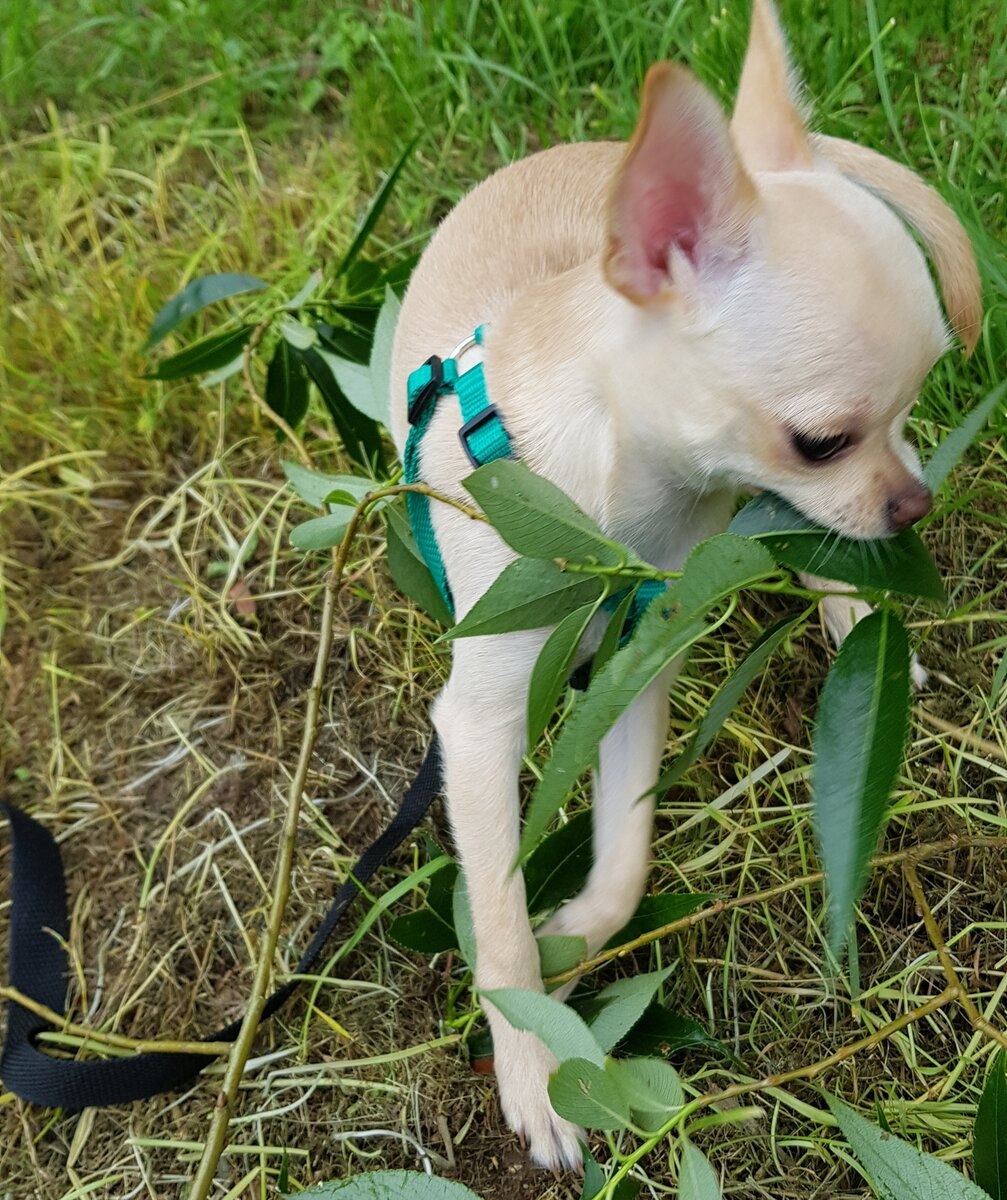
(722, 305)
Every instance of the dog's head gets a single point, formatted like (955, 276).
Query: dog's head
(807, 307)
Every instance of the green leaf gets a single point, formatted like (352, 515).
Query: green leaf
(552, 668)
(899, 564)
(582, 1092)
(528, 594)
(195, 296)
(321, 533)
(560, 865)
(651, 1087)
(381, 356)
(559, 953)
(557, 1025)
(206, 355)
(441, 893)
(299, 336)
(697, 1180)
(660, 1032)
(989, 1137)
(360, 436)
(594, 1182)
(306, 292)
(538, 520)
(409, 570)
(388, 1185)
(623, 1004)
(944, 459)
(423, 931)
(724, 702)
(669, 626)
(313, 486)
(461, 910)
(898, 1170)
(375, 209)
(354, 380)
(287, 385)
(859, 739)
(656, 911)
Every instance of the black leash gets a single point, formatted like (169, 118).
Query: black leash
(38, 966)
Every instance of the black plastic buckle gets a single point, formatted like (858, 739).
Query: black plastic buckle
(489, 413)
(428, 392)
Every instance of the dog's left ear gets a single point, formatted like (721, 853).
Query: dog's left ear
(681, 198)
(768, 123)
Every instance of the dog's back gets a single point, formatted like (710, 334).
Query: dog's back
(531, 220)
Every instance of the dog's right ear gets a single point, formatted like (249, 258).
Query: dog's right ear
(681, 195)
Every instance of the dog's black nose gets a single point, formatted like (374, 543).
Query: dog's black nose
(908, 507)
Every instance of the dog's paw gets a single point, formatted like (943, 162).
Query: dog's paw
(523, 1071)
(919, 674)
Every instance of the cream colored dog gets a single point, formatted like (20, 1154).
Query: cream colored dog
(721, 306)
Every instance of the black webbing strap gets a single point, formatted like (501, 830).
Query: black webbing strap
(38, 966)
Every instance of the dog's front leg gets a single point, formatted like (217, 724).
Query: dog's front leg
(628, 767)
(841, 613)
(480, 719)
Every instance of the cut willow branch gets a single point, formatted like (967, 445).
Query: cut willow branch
(944, 957)
(771, 1082)
(913, 854)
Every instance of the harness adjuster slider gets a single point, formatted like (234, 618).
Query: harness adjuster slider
(473, 425)
(421, 398)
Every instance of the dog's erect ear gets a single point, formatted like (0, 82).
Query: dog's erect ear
(932, 218)
(681, 189)
(768, 125)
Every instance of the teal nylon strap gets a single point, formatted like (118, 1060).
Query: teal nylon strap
(484, 439)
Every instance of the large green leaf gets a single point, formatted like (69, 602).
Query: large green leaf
(670, 625)
(354, 380)
(359, 434)
(287, 385)
(697, 1180)
(859, 739)
(424, 931)
(195, 296)
(552, 668)
(527, 594)
(557, 1025)
(652, 1088)
(943, 460)
(896, 564)
(536, 519)
(661, 1032)
(989, 1137)
(582, 1092)
(898, 1170)
(724, 702)
(623, 1003)
(314, 486)
(558, 868)
(381, 356)
(388, 1185)
(594, 1182)
(560, 952)
(409, 569)
(206, 355)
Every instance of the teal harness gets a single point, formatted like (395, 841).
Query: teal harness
(484, 439)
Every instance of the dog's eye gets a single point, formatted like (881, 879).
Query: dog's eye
(819, 449)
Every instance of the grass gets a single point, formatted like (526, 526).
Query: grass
(142, 719)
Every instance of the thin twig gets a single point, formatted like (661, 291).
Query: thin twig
(944, 957)
(770, 1082)
(94, 1037)
(913, 854)
(965, 736)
